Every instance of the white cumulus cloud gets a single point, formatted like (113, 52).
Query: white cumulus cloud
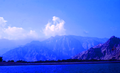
(15, 33)
(56, 27)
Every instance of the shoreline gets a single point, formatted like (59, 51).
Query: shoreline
(55, 63)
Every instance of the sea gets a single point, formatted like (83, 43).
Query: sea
(71, 68)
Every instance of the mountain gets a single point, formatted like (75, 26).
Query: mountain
(54, 48)
(107, 51)
(31, 52)
(88, 42)
(6, 45)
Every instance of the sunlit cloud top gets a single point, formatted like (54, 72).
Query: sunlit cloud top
(56, 27)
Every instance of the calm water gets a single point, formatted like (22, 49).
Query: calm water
(77, 68)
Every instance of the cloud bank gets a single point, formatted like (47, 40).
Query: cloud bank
(53, 28)
(15, 33)
(56, 27)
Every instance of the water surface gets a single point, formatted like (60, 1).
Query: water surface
(74, 68)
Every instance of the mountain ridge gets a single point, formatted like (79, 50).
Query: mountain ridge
(54, 48)
(108, 50)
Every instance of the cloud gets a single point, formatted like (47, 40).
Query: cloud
(15, 33)
(2, 22)
(53, 28)
(56, 27)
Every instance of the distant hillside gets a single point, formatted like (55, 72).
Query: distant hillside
(6, 45)
(54, 48)
(108, 50)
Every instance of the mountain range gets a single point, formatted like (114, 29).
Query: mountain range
(6, 45)
(110, 50)
(54, 48)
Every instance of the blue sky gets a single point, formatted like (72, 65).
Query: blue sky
(45, 18)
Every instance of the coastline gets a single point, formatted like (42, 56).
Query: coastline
(54, 63)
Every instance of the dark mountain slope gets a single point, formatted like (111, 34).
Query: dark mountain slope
(106, 51)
